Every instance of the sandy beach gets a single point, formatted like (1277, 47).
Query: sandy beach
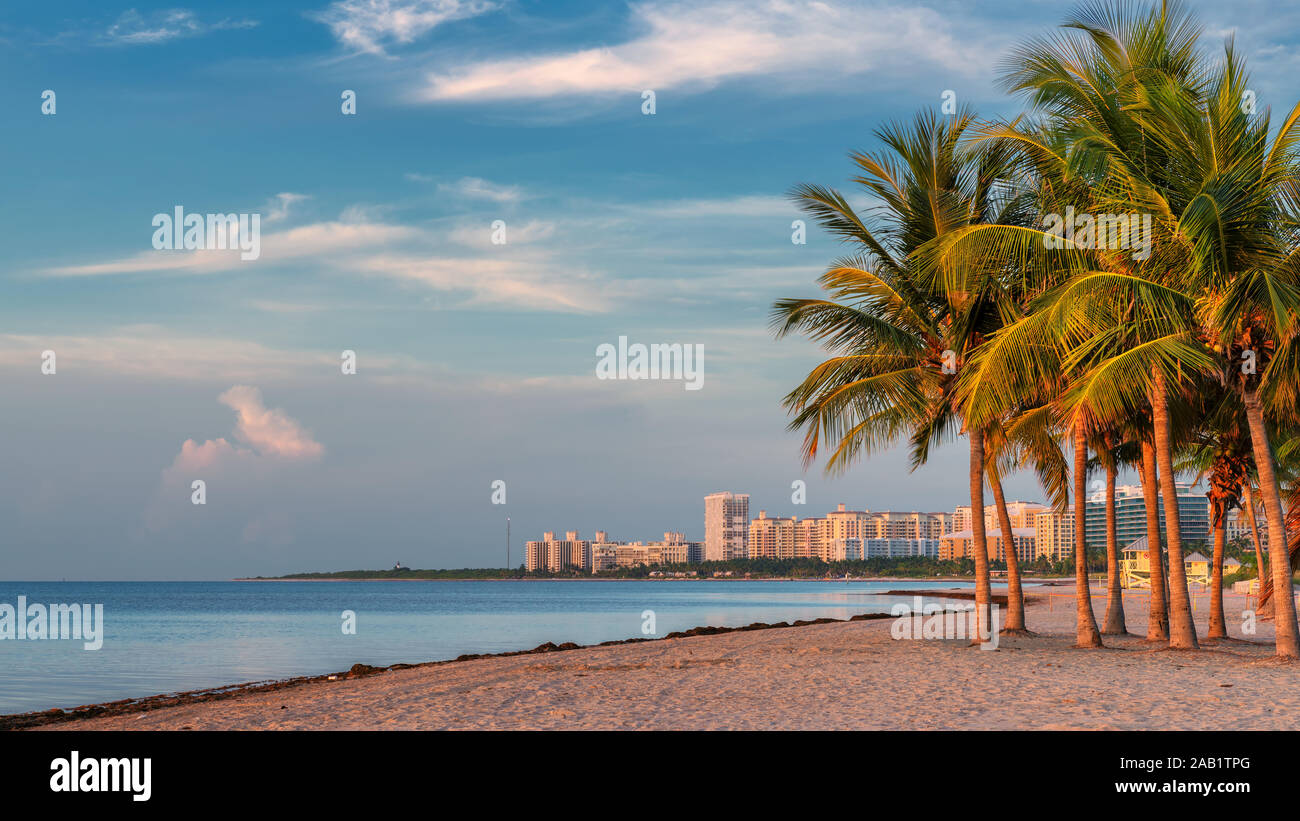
(846, 675)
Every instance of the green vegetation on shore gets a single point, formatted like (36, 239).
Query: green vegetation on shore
(911, 567)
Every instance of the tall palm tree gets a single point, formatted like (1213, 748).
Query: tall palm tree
(896, 343)
(1158, 620)
(1230, 194)
(1086, 633)
(1114, 623)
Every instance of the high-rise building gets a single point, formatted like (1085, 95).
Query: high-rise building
(726, 526)
(892, 524)
(1020, 513)
(811, 538)
(850, 524)
(1131, 521)
(1054, 534)
(1238, 528)
(771, 538)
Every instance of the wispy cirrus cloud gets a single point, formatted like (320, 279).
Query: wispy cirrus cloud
(322, 239)
(371, 26)
(478, 188)
(695, 44)
(134, 28)
(548, 264)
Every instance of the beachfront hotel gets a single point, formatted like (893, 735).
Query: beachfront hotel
(772, 538)
(600, 553)
(726, 526)
(1131, 517)
(1054, 534)
(846, 535)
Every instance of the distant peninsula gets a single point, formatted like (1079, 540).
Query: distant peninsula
(910, 567)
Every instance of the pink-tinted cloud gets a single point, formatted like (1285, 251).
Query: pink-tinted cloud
(242, 473)
(270, 432)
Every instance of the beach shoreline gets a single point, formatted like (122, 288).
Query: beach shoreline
(128, 706)
(824, 674)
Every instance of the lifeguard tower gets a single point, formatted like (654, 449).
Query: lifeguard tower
(1135, 567)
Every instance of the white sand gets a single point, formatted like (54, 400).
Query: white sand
(834, 676)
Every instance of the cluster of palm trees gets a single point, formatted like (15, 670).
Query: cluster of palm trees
(1157, 331)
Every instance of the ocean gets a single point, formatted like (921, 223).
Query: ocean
(163, 637)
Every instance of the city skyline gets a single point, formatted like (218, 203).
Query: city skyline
(847, 534)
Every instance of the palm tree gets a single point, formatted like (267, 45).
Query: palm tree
(1086, 634)
(1114, 624)
(895, 343)
(1230, 194)
(1026, 440)
(1219, 447)
(1158, 620)
(1157, 130)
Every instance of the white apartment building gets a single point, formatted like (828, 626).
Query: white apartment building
(1237, 526)
(900, 548)
(555, 555)
(771, 538)
(839, 550)
(1054, 534)
(674, 549)
(848, 534)
(812, 538)
(726, 526)
(1020, 513)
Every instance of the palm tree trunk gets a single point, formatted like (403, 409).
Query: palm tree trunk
(1114, 625)
(1218, 628)
(1288, 638)
(1182, 627)
(1254, 535)
(1086, 634)
(979, 545)
(1015, 596)
(1158, 622)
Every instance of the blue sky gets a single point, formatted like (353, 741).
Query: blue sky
(475, 361)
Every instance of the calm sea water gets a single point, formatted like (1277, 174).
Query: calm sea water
(163, 637)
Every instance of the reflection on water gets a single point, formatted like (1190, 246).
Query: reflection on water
(168, 636)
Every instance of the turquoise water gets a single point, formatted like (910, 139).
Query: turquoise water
(162, 637)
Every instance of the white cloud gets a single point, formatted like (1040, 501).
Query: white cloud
(133, 28)
(703, 44)
(371, 25)
(278, 207)
(477, 188)
(742, 206)
(479, 235)
(323, 239)
(533, 283)
(268, 441)
(271, 432)
(152, 353)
